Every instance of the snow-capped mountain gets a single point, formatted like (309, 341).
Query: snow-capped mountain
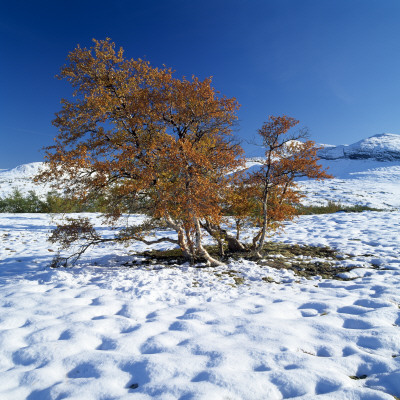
(366, 172)
(382, 147)
(21, 178)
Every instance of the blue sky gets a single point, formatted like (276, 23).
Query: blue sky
(333, 65)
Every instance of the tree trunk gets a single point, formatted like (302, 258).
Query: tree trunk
(217, 232)
(184, 245)
(187, 251)
(202, 252)
(259, 246)
(234, 245)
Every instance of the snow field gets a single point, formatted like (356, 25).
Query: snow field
(111, 332)
(367, 182)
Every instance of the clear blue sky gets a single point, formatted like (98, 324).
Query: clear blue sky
(332, 64)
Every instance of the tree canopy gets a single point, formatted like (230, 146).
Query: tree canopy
(140, 139)
(134, 134)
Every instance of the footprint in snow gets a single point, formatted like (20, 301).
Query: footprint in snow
(325, 386)
(152, 316)
(264, 368)
(313, 309)
(291, 366)
(152, 346)
(178, 326)
(309, 313)
(84, 370)
(65, 335)
(367, 303)
(356, 324)
(125, 312)
(348, 351)
(369, 342)
(324, 352)
(319, 307)
(352, 310)
(202, 376)
(96, 302)
(107, 344)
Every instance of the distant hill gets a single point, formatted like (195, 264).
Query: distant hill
(21, 178)
(366, 172)
(382, 147)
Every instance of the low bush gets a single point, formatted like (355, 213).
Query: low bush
(333, 207)
(54, 203)
(17, 202)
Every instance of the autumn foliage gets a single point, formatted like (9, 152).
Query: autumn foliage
(270, 195)
(142, 140)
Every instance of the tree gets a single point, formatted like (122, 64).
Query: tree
(141, 140)
(270, 195)
(286, 158)
(203, 155)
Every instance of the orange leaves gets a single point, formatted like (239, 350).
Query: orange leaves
(135, 130)
(270, 195)
(141, 139)
(274, 128)
(189, 184)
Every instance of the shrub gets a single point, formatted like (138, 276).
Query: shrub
(332, 207)
(18, 203)
(53, 203)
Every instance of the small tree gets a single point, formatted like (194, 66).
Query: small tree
(273, 188)
(141, 140)
(270, 195)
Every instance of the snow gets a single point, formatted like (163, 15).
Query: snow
(367, 182)
(21, 178)
(371, 165)
(103, 330)
(365, 173)
(383, 147)
(364, 181)
(182, 332)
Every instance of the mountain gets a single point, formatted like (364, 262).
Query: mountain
(382, 147)
(21, 178)
(366, 172)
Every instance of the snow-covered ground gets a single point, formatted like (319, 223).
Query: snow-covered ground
(382, 147)
(102, 330)
(354, 183)
(21, 178)
(95, 330)
(367, 182)
(366, 172)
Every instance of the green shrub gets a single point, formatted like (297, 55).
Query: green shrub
(18, 203)
(333, 207)
(53, 203)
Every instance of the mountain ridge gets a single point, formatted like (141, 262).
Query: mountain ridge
(368, 166)
(380, 147)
